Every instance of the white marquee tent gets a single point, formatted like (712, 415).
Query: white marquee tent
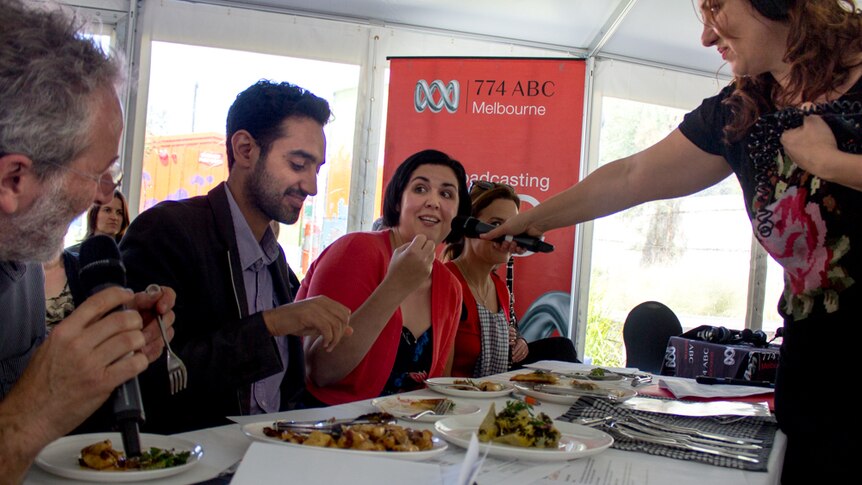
(642, 50)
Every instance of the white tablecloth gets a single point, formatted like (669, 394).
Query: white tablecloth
(225, 445)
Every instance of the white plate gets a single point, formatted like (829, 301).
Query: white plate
(444, 385)
(586, 376)
(576, 441)
(61, 457)
(401, 407)
(619, 393)
(255, 432)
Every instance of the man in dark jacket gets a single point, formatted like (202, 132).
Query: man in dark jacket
(237, 329)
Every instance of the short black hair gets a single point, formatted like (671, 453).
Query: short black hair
(261, 109)
(396, 186)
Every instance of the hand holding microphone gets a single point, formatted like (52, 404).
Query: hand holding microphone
(473, 228)
(102, 269)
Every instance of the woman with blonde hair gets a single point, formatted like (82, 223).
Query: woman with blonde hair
(487, 339)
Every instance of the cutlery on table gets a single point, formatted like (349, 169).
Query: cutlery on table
(733, 382)
(328, 424)
(638, 380)
(566, 391)
(177, 373)
(662, 429)
(694, 431)
(615, 428)
(724, 442)
(440, 409)
(459, 387)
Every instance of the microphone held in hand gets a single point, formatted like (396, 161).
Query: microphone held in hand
(472, 228)
(102, 268)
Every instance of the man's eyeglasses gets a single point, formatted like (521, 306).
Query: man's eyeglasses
(108, 180)
(486, 185)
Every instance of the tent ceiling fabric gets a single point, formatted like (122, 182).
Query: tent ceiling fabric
(664, 32)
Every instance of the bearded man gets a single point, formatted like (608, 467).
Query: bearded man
(60, 126)
(237, 329)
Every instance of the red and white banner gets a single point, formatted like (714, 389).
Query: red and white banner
(516, 121)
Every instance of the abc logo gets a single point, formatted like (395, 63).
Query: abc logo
(670, 357)
(447, 95)
(729, 355)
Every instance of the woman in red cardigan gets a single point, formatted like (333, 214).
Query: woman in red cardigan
(405, 305)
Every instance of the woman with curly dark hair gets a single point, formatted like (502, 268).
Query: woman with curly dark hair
(788, 127)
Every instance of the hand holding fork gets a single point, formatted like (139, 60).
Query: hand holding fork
(177, 373)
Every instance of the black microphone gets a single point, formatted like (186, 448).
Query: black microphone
(472, 227)
(102, 268)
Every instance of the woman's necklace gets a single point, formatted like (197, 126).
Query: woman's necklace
(484, 294)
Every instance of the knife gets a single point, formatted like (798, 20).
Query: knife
(732, 381)
(566, 391)
(369, 418)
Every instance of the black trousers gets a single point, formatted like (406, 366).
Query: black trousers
(551, 348)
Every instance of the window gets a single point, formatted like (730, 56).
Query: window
(191, 89)
(691, 253)
(78, 229)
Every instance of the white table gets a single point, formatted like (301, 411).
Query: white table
(225, 445)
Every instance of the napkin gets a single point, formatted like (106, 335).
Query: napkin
(274, 463)
(681, 387)
(472, 463)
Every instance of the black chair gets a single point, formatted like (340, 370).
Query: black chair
(645, 333)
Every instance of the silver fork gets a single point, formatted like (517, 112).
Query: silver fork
(440, 409)
(177, 373)
(443, 407)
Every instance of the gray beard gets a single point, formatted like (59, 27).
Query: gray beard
(37, 234)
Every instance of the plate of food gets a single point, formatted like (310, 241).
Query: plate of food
(516, 432)
(99, 457)
(475, 388)
(598, 374)
(568, 391)
(536, 377)
(404, 407)
(388, 440)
